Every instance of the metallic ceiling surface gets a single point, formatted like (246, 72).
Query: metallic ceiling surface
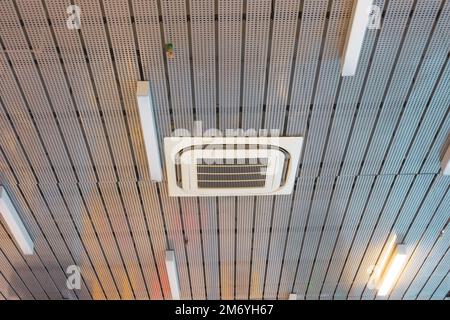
(73, 161)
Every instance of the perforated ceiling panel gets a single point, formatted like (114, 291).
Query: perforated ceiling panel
(72, 155)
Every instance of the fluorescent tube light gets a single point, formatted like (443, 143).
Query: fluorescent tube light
(355, 36)
(392, 270)
(292, 296)
(384, 259)
(445, 159)
(14, 223)
(172, 273)
(148, 125)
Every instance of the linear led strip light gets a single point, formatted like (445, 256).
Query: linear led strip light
(355, 36)
(172, 273)
(14, 223)
(393, 270)
(388, 270)
(148, 125)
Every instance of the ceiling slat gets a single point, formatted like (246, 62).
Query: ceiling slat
(430, 271)
(282, 41)
(257, 27)
(386, 201)
(176, 240)
(107, 88)
(302, 202)
(342, 243)
(438, 281)
(424, 238)
(178, 67)
(380, 233)
(7, 290)
(406, 68)
(261, 237)
(421, 201)
(330, 231)
(418, 101)
(281, 218)
(210, 237)
(315, 219)
(328, 81)
(20, 266)
(191, 224)
(76, 169)
(34, 263)
(14, 280)
(229, 44)
(385, 56)
(74, 63)
(227, 224)
(441, 292)
(306, 62)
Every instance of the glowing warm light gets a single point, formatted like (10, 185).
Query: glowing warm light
(392, 270)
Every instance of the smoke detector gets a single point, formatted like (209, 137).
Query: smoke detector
(231, 166)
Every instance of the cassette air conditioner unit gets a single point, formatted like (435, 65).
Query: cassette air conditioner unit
(231, 166)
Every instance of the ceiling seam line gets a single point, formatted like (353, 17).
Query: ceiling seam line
(423, 232)
(315, 84)
(421, 265)
(288, 229)
(23, 96)
(31, 212)
(412, 84)
(266, 262)
(44, 87)
(440, 283)
(6, 280)
(19, 276)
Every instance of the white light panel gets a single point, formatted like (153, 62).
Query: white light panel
(355, 37)
(172, 273)
(148, 125)
(15, 224)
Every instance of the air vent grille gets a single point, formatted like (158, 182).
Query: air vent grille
(231, 169)
(232, 173)
(231, 166)
(232, 184)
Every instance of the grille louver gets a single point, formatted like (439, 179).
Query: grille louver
(239, 174)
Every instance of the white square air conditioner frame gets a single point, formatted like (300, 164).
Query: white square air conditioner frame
(255, 147)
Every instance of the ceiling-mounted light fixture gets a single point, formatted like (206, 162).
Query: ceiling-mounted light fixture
(14, 223)
(148, 125)
(392, 270)
(391, 264)
(172, 274)
(445, 158)
(355, 36)
(292, 296)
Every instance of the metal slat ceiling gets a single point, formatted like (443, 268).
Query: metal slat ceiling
(72, 156)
